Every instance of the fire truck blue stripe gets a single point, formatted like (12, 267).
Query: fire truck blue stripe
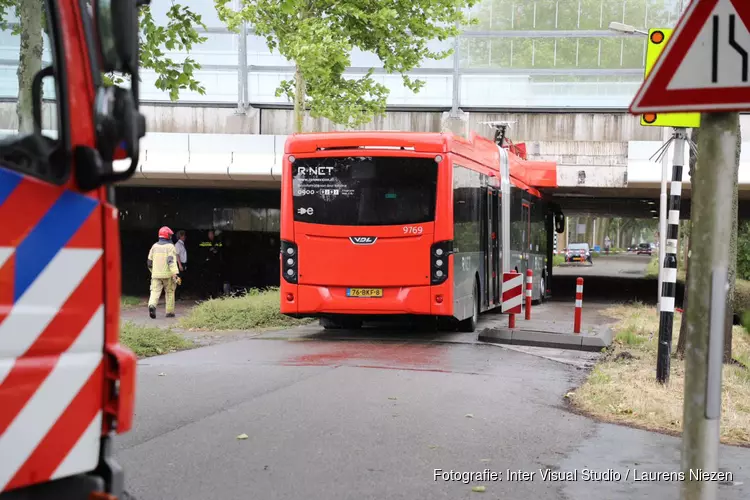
(55, 229)
(8, 182)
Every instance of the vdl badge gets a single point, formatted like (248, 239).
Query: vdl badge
(364, 292)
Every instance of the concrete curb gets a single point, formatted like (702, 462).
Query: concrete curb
(546, 339)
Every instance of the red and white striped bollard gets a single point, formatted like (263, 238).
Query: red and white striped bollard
(529, 284)
(579, 305)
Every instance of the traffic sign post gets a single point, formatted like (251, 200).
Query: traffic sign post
(705, 68)
(657, 40)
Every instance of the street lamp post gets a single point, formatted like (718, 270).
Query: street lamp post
(626, 28)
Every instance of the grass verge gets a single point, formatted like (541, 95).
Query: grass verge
(622, 388)
(557, 260)
(147, 341)
(741, 287)
(128, 301)
(255, 310)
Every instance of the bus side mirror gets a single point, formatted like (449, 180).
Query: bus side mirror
(559, 223)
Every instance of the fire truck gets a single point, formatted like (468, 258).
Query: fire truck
(67, 386)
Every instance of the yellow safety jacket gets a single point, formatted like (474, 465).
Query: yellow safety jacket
(162, 260)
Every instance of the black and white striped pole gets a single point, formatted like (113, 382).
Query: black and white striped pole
(669, 265)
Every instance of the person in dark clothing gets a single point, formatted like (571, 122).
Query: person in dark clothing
(211, 272)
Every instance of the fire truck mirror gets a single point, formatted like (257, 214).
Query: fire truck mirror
(117, 29)
(37, 87)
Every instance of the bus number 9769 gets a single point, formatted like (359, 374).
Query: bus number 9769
(413, 229)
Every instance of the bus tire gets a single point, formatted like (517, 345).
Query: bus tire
(542, 291)
(470, 324)
(330, 324)
(340, 324)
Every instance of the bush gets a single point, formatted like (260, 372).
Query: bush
(652, 270)
(741, 296)
(147, 341)
(256, 309)
(557, 260)
(743, 251)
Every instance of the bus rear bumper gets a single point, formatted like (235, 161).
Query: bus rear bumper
(312, 300)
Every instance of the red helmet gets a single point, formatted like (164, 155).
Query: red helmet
(165, 232)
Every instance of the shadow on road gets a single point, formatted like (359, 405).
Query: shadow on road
(610, 289)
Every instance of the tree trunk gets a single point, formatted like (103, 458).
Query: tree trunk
(29, 60)
(732, 270)
(683, 324)
(299, 101)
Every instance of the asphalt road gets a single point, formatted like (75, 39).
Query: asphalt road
(331, 419)
(620, 265)
(617, 278)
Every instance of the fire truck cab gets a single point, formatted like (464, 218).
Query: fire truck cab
(66, 383)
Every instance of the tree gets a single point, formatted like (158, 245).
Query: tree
(318, 36)
(732, 270)
(180, 34)
(682, 338)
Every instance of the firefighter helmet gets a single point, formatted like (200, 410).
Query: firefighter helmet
(165, 232)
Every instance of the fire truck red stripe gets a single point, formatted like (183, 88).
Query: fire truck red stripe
(24, 208)
(6, 287)
(89, 235)
(32, 369)
(64, 435)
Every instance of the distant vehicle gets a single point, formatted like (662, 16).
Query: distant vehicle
(578, 252)
(644, 249)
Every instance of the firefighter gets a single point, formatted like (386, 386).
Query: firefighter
(162, 262)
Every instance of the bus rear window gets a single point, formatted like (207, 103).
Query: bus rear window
(364, 191)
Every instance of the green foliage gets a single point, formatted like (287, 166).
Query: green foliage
(319, 36)
(628, 337)
(127, 301)
(179, 34)
(256, 309)
(147, 341)
(743, 251)
(557, 260)
(5, 7)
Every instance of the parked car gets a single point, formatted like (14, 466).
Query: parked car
(578, 252)
(644, 249)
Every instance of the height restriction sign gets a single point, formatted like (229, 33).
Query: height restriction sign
(657, 40)
(704, 67)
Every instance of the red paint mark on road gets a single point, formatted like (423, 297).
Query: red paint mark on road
(367, 355)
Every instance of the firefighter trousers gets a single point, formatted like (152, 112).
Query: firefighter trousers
(159, 284)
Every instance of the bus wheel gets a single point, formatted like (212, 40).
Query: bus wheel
(542, 290)
(470, 324)
(330, 324)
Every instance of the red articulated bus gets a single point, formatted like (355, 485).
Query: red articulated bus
(377, 224)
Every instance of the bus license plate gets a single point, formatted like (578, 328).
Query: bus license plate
(364, 292)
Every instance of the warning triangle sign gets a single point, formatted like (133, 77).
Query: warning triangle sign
(705, 66)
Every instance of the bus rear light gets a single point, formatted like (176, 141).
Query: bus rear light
(290, 297)
(439, 299)
(289, 269)
(438, 253)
